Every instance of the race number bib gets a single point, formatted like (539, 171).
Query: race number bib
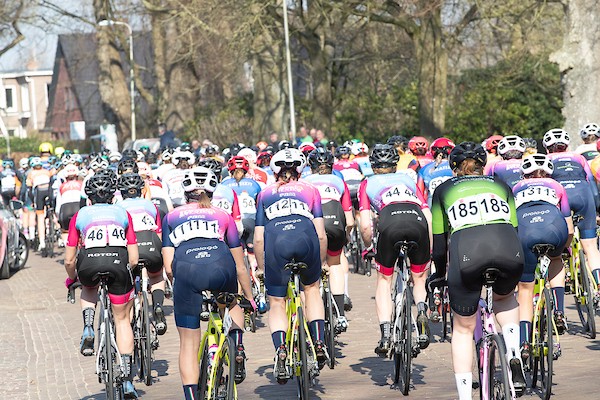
(287, 207)
(247, 203)
(105, 235)
(329, 192)
(143, 222)
(435, 182)
(536, 193)
(399, 194)
(223, 204)
(194, 229)
(478, 209)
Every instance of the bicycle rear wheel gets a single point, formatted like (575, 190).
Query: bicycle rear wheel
(585, 298)
(304, 378)
(403, 348)
(498, 386)
(224, 373)
(146, 340)
(543, 349)
(329, 327)
(359, 263)
(50, 235)
(108, 352)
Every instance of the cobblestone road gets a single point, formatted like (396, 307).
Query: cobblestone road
(39, 359)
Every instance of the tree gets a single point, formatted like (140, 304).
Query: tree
(11, 15)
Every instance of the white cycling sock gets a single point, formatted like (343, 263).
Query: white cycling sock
(511, 339)
(464, 384)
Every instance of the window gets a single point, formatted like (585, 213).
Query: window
(11, 132)
(25, 97)
(10, 94)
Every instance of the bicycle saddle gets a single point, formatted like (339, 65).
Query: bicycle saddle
(295, 267)
(408, 245)
(490, 275)
(540, 249)
(226, 299)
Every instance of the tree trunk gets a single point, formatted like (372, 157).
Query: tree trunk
(112, 82)
(432, 62)
(579, 61)
(320, 54)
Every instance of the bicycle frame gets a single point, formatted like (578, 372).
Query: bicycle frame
(542, 281)
(293, 302)
(103, 341)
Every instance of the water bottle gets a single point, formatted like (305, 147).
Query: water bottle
(262, 304)
(212, 350)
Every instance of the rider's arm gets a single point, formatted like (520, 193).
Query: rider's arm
(168, 251)
(259, 233)
(320, 227)
(132, 247)
(346, 202)
(591, 181)
(71, 248)
(439, 228)
(364, 206)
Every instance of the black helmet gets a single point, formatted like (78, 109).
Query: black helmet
(332, 144)
(320, 156)
(127, 165)
(466, 150)
(130, 185)
(530, 143)
(212, 164)
(130, 153)
(384, 155)
(185, 146)
(398, 140)
(101, 187)
(342, 150)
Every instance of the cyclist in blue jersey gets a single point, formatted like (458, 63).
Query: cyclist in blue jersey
(511, 149)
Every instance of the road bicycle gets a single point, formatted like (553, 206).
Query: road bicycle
(217, 350)
(441, 302)
(354, 249)
(144, 331)
(52, 232)
(495, 381)
(331, 316)
(582, 284)
(302, 358)
(545, 346)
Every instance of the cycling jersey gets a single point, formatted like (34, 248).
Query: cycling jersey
(226, 199)
(38, 177)
(172, 181)
(258, 175)
(407, 161)
(424, 160)
(365, 165)
(509, 171)
(247, 190)
(159, 196)
(144, 214)
(380, 191)
(161, 170)
(286, 212)
(9, 184)
(542, 207)
(588, 151)
(68, 198)
(431, 176)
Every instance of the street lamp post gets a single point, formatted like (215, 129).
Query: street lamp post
(109, 22)
(289, 71)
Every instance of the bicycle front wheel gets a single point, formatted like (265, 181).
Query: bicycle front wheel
(204, 372)
(304, 378)
(329, 327)
(495, 375)
(223, 381)
(403, 346)
(585, 298)
(543, 348)
(146, 340)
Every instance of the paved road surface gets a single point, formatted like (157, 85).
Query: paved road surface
(40, 332)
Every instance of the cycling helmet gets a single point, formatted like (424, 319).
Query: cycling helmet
(535, 162)
(332, 144)
(397, 140)
(418, 145)
(442, 145)
(590, 130)
(35, 162)
(185, 146)
(130, 183)
(98, 162)
(236, 162)
(212, 164)
(288, 158)
(261, 145)
(211, 151)
(127, 165)
(342, 150)
(24, 163)
(145, 150)
(234, 149)
(248, 154)
(101, 186)
(71, 170)
(264, 158)
(466, 150)
(183, 155)
(59, 151)
(359, 148)
(307, 148)
(46, 147)
(319, 157)
(130, 153)
(8, 164)
(114, 156)
(511, 143)
(556, 136)
(199, 178)
(167, 154)
(284, 144)
(492, 142)
(77, 159)
(384, 156)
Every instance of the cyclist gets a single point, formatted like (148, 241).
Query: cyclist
(589, 135)
(572, 171)
(166, 163)
(202, 251)
(530, 146)
(182, 160)
(403, 214)
(406, 160)
(101, 239)
(360, 151)
(255, 173)
(28, 217)
(438, 171)
(38, 180)
(289, 226)
(338, 219)
(491, 147)
(544, 218)
(419, 147)
(9, 181)
(155, 190)
(68, 198)
(511, 149)
(147, 226)
(474, 226)
(263, 160)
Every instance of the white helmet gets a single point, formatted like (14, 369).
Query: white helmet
(288, 158)
(199, 178)
(510, 143)
(24, 162)
(554, 136)
(98, 163)
(358, 148)
(71, 170)
(76, 158)
(248, 154)
(589, 130)
(166, 154)
(183, 155)
(537, 161)
(114, 156)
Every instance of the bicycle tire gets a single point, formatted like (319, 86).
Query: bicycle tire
(137, 341)
(22, 252)
(359, 267)
(108, 351)
(584, 298)
(446, 315)
(544, 348)
(203, 377)
(304, 378)
(146, 340)
(225, 373)
(329, 328)
(50, 236)
(497, 369)
(406, 357)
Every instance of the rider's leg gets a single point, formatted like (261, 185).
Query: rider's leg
(462, 353)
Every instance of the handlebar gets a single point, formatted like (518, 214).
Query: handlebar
(71, 292)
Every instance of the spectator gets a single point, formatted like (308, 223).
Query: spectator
(313, 134)
(274, 139)
(196, 148)
(302, 137)
(206, 143)
(320, 137)
(167, 137)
